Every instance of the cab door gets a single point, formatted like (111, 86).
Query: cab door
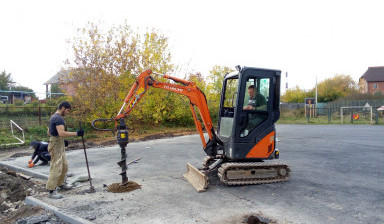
(257, 109)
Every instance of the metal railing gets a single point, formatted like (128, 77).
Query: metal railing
(21, 141)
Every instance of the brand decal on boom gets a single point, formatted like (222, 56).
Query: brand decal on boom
(174, 88)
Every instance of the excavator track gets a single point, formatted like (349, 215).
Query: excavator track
(240, 173)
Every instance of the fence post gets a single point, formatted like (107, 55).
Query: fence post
(329, 115)
(39, 115)
(341, 114)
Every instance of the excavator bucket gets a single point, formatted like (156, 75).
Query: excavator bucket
(195, 177)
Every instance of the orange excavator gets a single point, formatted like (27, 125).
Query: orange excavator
(246, 137)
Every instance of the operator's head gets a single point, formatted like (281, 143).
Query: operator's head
(251, 91)
(64, 108)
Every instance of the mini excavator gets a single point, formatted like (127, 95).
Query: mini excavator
(245, 143)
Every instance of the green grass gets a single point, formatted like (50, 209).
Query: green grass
(39, 133)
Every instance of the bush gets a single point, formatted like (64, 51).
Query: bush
(295, 113)
(36, 133)
(19, 102)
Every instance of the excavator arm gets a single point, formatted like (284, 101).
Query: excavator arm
(187, 88)
(196, 99)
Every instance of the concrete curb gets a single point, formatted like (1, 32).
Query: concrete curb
(25, 171)
(63, 216)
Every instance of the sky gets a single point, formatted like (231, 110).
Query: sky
(309, 40)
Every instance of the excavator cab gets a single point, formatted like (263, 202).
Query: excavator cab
(249, 109)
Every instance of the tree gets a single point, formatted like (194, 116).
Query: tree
(55, 88)
(216, 77)
(296, 95)
(213, 89)
(106, 65)
(4, 80)
(336, 87)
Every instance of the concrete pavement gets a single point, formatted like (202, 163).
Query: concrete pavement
(337, 174)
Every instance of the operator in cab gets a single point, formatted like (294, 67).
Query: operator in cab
(256, 101)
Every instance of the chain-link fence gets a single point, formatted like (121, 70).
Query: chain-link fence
(346, 112)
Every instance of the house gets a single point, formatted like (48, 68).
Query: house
(372, 81)
(58, 79)
(13, 96)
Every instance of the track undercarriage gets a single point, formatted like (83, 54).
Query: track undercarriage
(237, 173)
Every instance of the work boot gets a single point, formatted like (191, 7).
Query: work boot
(43, 163)
(65, 187)
(54, 195)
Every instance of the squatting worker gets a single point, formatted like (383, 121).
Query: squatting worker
(59, 165)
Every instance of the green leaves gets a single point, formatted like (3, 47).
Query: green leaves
(328, 90)
(4, 80)
(106, 64)
(336, 87)
(296, 95)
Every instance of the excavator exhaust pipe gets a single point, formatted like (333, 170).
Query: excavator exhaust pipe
(195, 177)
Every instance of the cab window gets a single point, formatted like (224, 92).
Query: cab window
(255, 103)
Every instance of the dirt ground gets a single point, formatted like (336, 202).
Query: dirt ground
(14, 189)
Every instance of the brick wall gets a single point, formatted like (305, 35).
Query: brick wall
(379, 88)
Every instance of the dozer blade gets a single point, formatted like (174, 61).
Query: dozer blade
(195, 177)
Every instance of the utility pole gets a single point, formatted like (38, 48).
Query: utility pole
(286, 83)
(316, 92)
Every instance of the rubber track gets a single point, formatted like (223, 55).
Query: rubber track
(245, 166)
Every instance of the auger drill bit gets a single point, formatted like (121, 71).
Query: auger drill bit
(122, 139)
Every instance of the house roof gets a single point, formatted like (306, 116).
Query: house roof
(374, 74)
(56, 78)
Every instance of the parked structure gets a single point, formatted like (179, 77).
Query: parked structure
(372, 81)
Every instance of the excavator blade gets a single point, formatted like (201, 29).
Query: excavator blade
(195, 177)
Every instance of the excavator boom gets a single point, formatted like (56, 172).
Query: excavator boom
(186, 88)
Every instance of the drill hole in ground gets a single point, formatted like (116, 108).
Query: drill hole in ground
(256, 220)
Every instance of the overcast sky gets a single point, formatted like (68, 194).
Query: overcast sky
(307, 39)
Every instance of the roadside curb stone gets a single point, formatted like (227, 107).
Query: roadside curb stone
(25, 171)
(63, 216)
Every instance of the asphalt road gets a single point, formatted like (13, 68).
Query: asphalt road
(337, 175)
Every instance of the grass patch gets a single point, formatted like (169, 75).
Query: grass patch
(39, 133)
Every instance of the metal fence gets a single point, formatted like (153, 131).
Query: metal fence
(357, 111)
(28, 116)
